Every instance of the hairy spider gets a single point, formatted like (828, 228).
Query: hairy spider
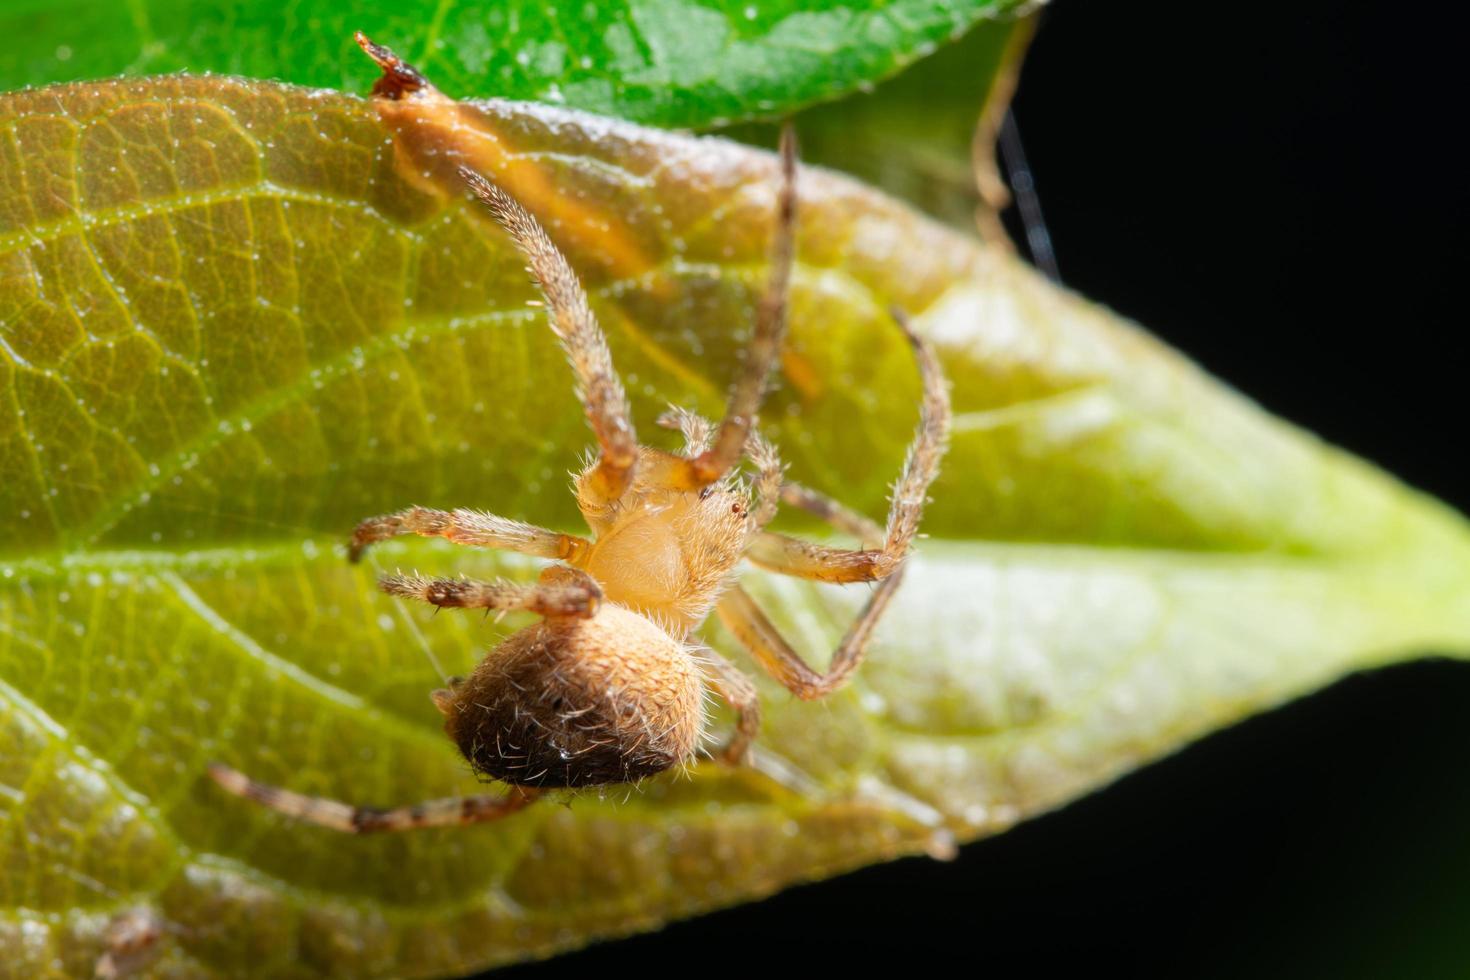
(608, 686)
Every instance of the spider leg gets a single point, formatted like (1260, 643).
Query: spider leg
(598, 386)
(740, 694)
(743, 618)
(571, 593)
(474, 528)
(804, 559)
(455, 811)
(765, 342)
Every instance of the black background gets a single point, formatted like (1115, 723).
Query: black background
(1277, 191)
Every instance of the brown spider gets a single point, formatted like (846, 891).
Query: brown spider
(608, 687)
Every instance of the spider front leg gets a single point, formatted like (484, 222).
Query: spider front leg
(729, 441)
(473, 528)
(598, 386)
(455, 811)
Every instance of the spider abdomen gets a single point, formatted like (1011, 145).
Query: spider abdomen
(580, 702)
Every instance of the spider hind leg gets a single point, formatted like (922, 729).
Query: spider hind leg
(455, 811)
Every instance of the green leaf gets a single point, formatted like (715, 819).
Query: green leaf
(237, 317)
(666, 62)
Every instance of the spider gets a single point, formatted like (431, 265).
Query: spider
(608, 686)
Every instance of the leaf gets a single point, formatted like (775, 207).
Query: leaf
(665, 62)
(236, 317)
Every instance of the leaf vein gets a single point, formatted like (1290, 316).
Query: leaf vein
(81, 220)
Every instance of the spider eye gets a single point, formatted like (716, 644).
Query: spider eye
(735, 508)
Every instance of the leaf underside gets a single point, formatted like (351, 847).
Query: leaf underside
(236, 317)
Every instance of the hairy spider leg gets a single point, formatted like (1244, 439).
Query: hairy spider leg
(454, 811)
(741, 695)
(598, 385)
(749, 390)
(805, 559)
(561, 592)
(474, 528)
(743, 617)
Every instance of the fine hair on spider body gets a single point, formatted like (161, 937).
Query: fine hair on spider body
(608, 686)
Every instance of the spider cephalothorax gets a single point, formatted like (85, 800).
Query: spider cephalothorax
(608, 686)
